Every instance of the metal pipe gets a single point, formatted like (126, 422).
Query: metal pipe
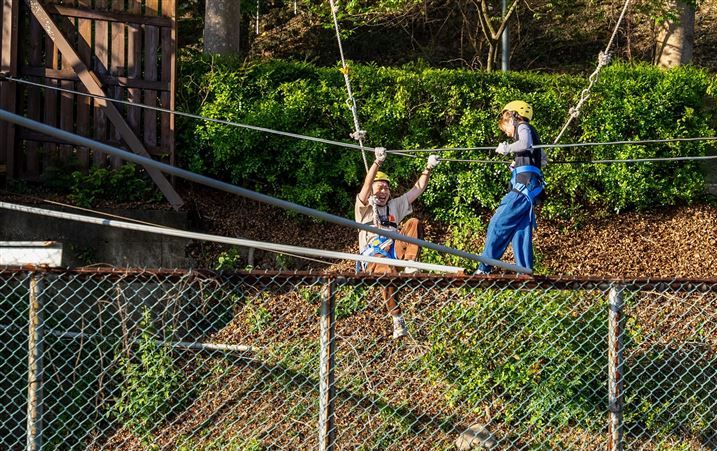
(327, 390)
(232, 189)
(505, 41)
(194, 345)
(226, 240)
(615, 366)
(34, 364)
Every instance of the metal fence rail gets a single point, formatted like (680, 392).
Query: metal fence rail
(108, 359)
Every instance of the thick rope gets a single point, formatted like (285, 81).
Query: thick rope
(358, 134)
(603, 60)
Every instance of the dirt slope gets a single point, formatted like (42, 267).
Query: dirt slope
(674, 242)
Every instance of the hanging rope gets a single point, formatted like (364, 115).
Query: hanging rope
(358, 134)
(257, 17)
(603, 60)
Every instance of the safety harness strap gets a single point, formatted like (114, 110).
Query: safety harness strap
(377, 246)
(530, 194)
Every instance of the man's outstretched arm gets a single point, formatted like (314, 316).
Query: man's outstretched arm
(420, 186)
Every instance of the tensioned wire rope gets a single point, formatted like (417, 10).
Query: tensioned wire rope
(188, 115)
(271, 247)
(401, 152)
(129, 220)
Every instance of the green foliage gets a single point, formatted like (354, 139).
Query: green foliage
(419, 107)
(634, 103)
(350, 300)
(123, 184)
(229, 260)
(536, 361)
(678, 402)
(257, 317)
(152, 387)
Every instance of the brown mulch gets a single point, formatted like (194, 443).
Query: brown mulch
(671, 242)
(664, 243)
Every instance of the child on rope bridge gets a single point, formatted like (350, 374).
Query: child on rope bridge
(374, 205)
(514, 219)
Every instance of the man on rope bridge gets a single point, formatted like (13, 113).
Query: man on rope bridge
(374, 205)
(514, 219)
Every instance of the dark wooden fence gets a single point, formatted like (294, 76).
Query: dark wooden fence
(123, 49)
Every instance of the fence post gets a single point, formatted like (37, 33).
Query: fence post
(326, 371)
(615, 365)
(34, 364)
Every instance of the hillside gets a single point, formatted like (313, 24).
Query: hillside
(669, 242)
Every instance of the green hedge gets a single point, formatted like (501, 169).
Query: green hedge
(419, 107)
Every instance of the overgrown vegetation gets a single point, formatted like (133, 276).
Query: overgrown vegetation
(537, 361)
(420, 107)
(153, 386)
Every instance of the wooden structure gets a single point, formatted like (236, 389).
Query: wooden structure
(122, 49)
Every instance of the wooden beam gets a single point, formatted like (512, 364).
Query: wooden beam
(109, 16)
(93, 85)
(107, 80)
(37, 137)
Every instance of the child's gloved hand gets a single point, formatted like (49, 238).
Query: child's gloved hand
(502, 148)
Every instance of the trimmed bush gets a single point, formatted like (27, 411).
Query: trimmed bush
(419, 107)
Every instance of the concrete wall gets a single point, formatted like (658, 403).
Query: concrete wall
(85, 244)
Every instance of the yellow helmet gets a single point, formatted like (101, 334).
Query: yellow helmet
(382, 177)
(520, 107)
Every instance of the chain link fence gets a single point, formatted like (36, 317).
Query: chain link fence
(108, 359)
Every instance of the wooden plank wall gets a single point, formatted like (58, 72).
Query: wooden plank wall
(131, 47)
(9, 35)
(3, 126)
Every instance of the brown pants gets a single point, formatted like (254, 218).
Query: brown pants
(404, 251)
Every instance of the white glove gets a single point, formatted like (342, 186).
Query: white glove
(380, 153)
(502, 148)
(433, 161)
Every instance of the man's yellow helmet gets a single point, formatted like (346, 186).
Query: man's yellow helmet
(520, 107)
(382, 177)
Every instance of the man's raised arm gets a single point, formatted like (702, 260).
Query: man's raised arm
(365, 192)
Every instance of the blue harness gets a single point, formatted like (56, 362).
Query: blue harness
(532, 191)
(376, 246)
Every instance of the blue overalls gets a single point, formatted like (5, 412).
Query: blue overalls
(514, 219)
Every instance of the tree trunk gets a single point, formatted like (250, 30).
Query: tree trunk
(676, 37)
(221, 27)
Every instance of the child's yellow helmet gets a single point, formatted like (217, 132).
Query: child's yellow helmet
(382, 177)
(521, 108)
